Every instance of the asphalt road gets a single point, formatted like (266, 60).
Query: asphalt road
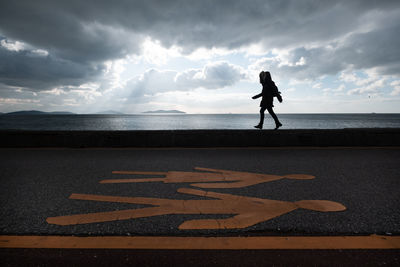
(37, 183)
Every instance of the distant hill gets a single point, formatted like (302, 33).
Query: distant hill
(165, 111)
(61, 113)
(38, 112)
(109, 112)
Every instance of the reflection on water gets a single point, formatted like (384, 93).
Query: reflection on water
(198, 121)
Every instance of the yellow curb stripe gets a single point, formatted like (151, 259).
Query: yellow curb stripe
(147, 242)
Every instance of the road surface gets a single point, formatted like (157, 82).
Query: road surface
(42, 189)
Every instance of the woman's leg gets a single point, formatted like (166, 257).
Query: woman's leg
(260, 125)
(262, 110)
(273, 115)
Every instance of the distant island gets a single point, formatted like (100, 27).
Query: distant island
(109, 112)
(165, 111)
(38, 112)
(106, 112)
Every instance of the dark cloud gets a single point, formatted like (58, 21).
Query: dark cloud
(377, 48)
(66, 30)
(80, 35)
(97, 30)
(37, 70)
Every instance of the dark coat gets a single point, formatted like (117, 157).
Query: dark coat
(268, 92)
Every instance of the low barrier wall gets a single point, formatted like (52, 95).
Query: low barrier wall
(202, 138)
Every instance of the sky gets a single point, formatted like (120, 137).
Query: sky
(199, 56)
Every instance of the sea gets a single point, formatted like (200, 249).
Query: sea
(194, 121)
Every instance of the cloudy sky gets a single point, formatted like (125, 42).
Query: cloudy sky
(199, 56)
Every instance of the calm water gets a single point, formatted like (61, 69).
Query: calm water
(186, 121)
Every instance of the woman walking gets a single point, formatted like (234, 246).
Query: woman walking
(268, 92)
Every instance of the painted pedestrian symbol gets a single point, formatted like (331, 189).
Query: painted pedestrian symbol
(212, 178)
(245, 211)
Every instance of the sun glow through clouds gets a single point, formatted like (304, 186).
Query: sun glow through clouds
(142, 56)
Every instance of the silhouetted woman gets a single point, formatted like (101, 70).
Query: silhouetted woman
(268, 92)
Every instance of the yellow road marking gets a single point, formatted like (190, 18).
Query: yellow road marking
(213, 148)
(156, 242)
(247, 211)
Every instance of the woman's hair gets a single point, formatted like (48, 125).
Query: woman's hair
(265, 76)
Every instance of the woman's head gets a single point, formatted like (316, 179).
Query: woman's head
(265, 76)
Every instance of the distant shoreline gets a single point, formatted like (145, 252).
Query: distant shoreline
(107, 112)
(171, 112)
